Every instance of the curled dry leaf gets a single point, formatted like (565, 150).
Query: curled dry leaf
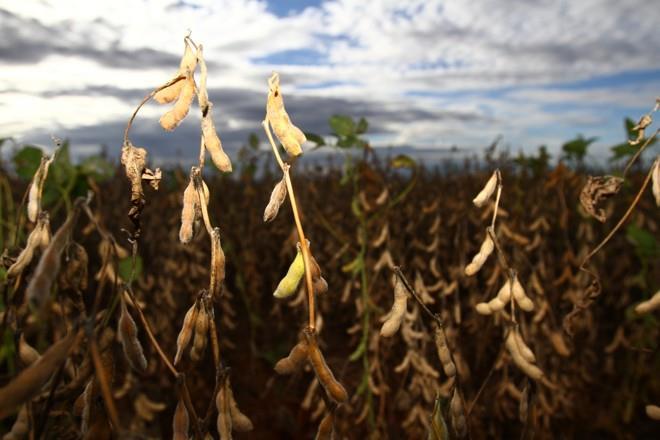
(128, 337)
(487, 190)
(288, 285)
(29, 381)
(134, 160)
(277, 197)
(288, 134)
(649, 305)
(395, 316)
(597, 190)
(641, 126)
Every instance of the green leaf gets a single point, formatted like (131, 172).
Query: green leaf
(3, 274)
(645, 244)
(253, 141)
(403, 161)
(315, 138)
(362, 126)
(577, 148)
(124, 267)
(622, 150)
(97, 167)
(342, 125)
(27, 160)
(359, 351)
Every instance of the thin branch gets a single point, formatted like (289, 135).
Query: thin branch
(638, 152)
(621, 221)
(409, 288)
(301, 233)
(147, 98)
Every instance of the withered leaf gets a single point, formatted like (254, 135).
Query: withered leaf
(597, 190)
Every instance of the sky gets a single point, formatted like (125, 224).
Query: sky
(428, 75)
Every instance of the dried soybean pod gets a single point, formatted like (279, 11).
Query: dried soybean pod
(525, 366)
(29, 381)
(38, 290)
(444, 354)
(649, 305)
(201, 333)
(288, 285)
(222, 403)
(326, 427)
(333, 388)
(190, 200)
(26, 353)
(202, 93)
(320, 286)
(240, 422)
(186, 331)
(217, 264)
(37, 187)
(395, 316)
(21, 427)
(187, 64)
(277, 197)
(480, 258)
(484, 309)
(457, 414)
(524, 349)
(487, 190)
(170, 120)
(212, 142)
(520, 296)
(288, 134)
(180, 422)
(127, 334)
(523, 407)
(294, 360)
(25, 257)
(653, 411)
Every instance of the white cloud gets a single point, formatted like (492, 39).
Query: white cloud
(381, 56)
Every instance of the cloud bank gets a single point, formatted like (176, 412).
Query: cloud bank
(427, 74)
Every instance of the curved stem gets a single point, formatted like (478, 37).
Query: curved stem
(301, 233)
(621, 221)
(638, 152)
(147, 98)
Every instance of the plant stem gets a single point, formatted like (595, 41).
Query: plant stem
(147, 98)
(301, 233)
(638, 152)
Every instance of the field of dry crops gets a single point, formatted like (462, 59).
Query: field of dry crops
(471, 303)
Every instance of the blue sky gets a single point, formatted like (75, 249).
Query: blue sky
(426, 74)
